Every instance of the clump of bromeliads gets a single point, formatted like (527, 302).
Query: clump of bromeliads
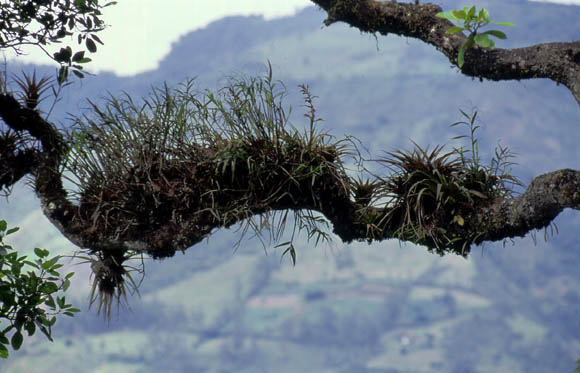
(429, 194)
(162, 174)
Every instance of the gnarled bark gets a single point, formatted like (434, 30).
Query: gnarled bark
(559, 62)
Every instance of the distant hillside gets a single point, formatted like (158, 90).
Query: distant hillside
(345, 308)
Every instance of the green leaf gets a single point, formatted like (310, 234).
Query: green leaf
(465, 46)
(292, 253)
(91, 46)
(30, 327)
(470, 41)
(16, 340)
(3, 225)
(12, 230)
(460, 55)
(447, 15)
(80, 5)
(504, 24)
(471, 13)
(65, 285)
(483, 15)
(49, 288)
(454, 29)
(66, 53)
(41, 253)
(283, 244)
(78, 56)
(4, 352)
(45, 331)
(62, 75)
(78, 74)
(498, 34)
(483, 40)
(50, 302)
(459, 14)
(32, 264)
(96, 38)
(49, 264)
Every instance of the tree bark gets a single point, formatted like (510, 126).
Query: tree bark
(559, 62)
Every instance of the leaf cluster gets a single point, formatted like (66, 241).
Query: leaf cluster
(211, 159)
(29, 290)
(472, 21)
(45, 22)
(429, 193)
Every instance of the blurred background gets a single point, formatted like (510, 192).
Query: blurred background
(512, 306)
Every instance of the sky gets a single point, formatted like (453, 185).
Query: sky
(141, 31)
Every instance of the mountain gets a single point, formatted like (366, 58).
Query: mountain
(344, 308)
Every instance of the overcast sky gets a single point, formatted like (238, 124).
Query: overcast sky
(142, 31)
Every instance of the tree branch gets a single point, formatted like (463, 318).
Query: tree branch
(545, 198)
(14, 163)
(164, 184)
(559, 62)
(173, 226)
(44, 164)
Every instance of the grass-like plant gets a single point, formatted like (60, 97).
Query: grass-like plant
(428, 189)
(169, 170)
(216, 157)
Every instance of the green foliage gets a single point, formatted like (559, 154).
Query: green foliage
(29, 293)
(184, 158)
(472, 22)
(45, 22)
(501, 182)
(428, 189)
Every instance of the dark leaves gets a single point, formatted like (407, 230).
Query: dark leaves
(51, 21)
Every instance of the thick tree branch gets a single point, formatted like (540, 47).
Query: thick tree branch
(165, 195)
(559, 62)
(545, 198)
(14, 163)
(178, 227)
(44, 164)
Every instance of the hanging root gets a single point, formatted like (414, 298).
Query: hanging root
(110, 278)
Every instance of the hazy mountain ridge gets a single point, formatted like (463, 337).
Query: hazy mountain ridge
(356, 308)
